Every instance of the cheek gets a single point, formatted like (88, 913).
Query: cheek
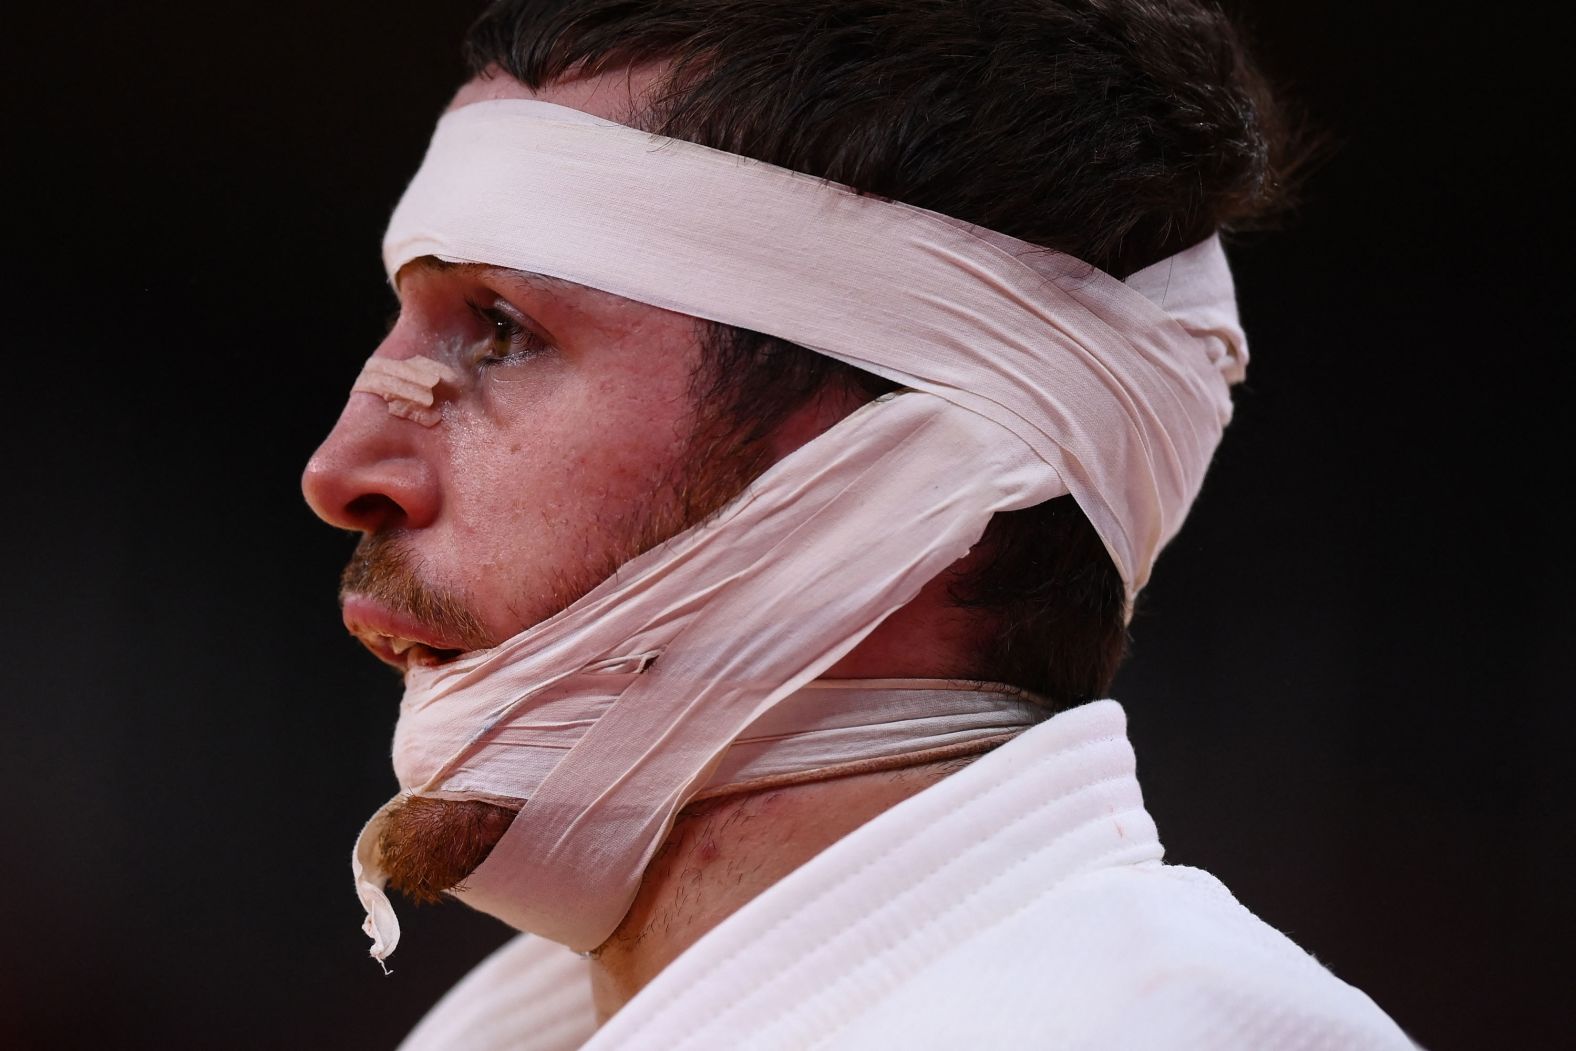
(548, 470)
(560, 470)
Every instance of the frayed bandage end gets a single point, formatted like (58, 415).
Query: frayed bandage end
(408, 385)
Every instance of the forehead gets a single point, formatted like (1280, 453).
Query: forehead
(615, 95)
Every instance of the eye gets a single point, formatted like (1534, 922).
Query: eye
(508, 338)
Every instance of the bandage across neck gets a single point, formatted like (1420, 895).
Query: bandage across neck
(1027, 375)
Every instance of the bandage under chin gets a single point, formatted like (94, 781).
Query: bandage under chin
(408, 385)
(1027, 375)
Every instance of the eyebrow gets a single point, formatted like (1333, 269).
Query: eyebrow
(431, 264)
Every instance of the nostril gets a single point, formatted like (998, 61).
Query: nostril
(372, 510)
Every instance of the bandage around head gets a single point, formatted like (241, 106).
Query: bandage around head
(1028, 375)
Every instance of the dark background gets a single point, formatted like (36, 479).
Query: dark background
(1348, 689)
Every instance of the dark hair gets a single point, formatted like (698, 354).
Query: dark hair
(1116, 131)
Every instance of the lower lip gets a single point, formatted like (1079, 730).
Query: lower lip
(360, 611)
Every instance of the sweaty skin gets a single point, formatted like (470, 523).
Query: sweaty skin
(408, 385)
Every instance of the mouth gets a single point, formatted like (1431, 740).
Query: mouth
(395, 639)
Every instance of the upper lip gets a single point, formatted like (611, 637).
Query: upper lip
(390, 635)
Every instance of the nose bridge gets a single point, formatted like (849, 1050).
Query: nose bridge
(410, 385)
(376, 468)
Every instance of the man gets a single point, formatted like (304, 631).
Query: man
(740, 531)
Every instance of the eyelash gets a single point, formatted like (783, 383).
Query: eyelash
(522, 341)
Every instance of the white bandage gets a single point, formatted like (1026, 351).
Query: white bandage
(409, 386)
(1030, 375)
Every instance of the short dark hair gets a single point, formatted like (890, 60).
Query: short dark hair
(1116, 131)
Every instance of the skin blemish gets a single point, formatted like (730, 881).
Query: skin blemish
(408, 385)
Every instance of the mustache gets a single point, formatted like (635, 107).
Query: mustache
(382, 570)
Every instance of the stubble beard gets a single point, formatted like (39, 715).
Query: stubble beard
(429, 846)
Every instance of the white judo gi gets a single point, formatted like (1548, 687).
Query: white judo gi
(1019, 903)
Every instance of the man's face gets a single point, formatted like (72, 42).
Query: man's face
(571, 442)
(554, 460)
(560, 454)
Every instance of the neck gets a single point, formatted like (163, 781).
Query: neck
(724, 852)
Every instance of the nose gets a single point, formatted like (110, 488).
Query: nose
(373, 472)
